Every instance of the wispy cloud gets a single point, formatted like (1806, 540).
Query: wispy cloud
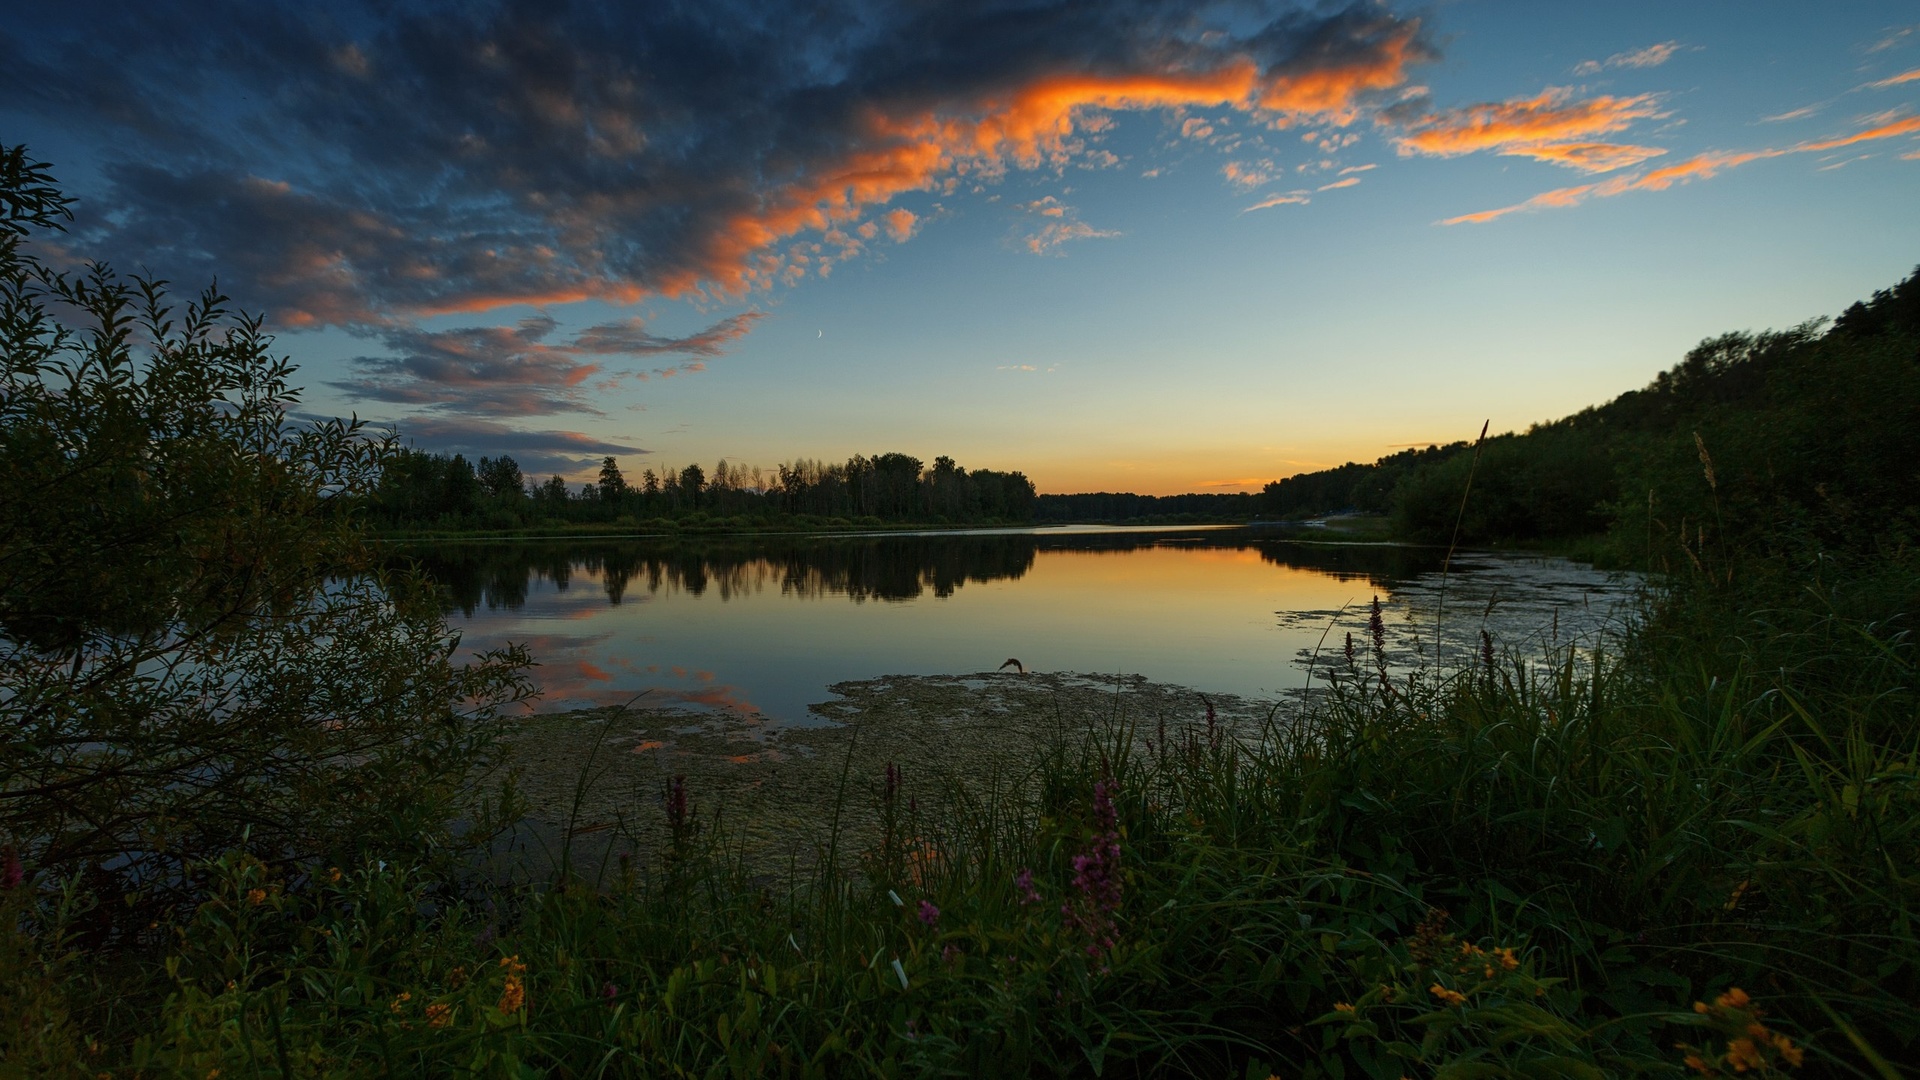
(1338, 184)
(1896, 80)
(1290, 198)
(1048, 239)
(1247, 175)
(1892, 38)
(1550, 126)
(1699, 167)
(1651, 56)
(1800, 113)
(518, 371)
(1060, 228)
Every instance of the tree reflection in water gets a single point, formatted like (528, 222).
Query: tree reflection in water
(498, 574)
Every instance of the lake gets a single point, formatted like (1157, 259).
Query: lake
(762, 626)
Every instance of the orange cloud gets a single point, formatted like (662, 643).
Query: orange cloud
(1337, 184)
(1331, 89)
(1027, 127)
(1882, 131)
(900, 224)
(1291, 198)
(1699, 167)
(1589, 156)
(1056, 233)
(1896, 80)
(1247, 175)
(1548, 127)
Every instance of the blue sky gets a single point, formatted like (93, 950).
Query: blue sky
(1131, 246)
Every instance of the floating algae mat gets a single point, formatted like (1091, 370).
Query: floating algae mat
(597, 777)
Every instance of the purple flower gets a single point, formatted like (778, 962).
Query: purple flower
(950, 955)
(1024, 882)
(677, 806)
(12, 874)
(928, 913)
(608, 991)
(893, 783)
(1090, 912)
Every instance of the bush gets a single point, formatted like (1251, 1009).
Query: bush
(195, 649)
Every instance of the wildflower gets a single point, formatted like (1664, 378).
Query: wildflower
(1377, 626)
(439, 1014)
(1450, 997)
(1793, 1054)
(950, 955)
(513, 995)
(334, 875)
(1429, 937)
(893, 783)
(608, 991)
(929, 914)
(1343, 1007)
(513, 964)
(256, 897)
(1739, 893)
(1096, 877)
(1350, 650)
(1507, 960)
(678, 811)
(1024, 882)
(399, 1003)
(11, 872)
(1699, 1064)
(1486, 650)
(1743, 1055)
(1734, 998)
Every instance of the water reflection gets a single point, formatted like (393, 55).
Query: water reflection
(759, 627)
(499, 574)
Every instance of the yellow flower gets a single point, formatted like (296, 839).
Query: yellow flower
(256, 896)
(1698, 1064)
(1792, 1053)
(513, 964)
(1735, 998)
(1450, 997)
(398, 1003)
(1507, 959)
(513, 995)
(1341, 1006)
(439, 1014)
(1743, 1055)
(333, 875)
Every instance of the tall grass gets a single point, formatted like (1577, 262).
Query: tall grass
(1535, 866)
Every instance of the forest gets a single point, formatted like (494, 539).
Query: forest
(1827, 415)
(420, 490)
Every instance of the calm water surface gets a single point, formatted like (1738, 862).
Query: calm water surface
(764, 625)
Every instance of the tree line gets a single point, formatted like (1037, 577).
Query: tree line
(447, 491)
(1817, 423)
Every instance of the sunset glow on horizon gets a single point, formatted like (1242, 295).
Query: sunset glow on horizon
(1130, 246)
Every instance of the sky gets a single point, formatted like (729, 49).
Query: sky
(1123, 246)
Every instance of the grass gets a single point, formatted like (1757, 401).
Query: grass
(1530, 867)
